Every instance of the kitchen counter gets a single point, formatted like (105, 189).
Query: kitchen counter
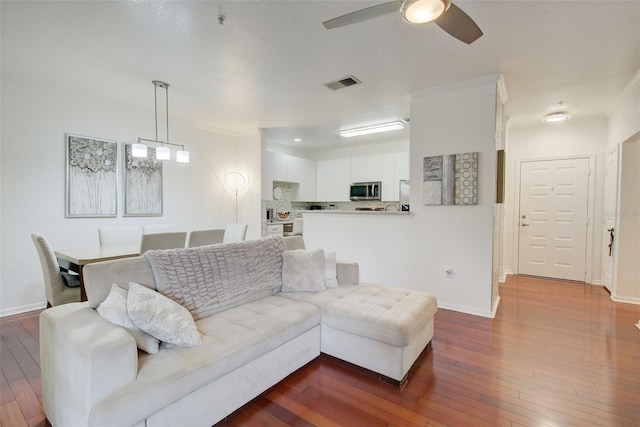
(354, 212)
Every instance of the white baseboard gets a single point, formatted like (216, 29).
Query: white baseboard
(22, 309)
(626, 300)
(638, 324)
(468, 310)
(596, 282)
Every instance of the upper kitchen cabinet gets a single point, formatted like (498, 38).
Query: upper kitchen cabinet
(303, 171)
(366, 168)
(333, 178)
(286, 168)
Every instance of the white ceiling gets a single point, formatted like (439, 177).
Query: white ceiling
(266, 66)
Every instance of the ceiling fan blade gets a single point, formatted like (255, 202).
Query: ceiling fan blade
(363, 14)
(458, 24)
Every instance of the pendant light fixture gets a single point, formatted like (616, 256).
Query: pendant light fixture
(162, 153)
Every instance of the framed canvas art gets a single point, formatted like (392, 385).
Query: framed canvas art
(450, 179)
(92, 177)
(142, 184)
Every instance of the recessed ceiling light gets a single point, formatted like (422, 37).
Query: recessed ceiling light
(559, 116)
(297, 139)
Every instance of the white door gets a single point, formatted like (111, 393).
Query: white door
(609, 217)
(553, 218)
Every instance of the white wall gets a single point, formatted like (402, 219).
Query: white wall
(624, 131)
(35, 119)
(413, 251)
(627, 286)
(549, 140)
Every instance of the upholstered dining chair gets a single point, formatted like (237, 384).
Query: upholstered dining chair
(60, 287)
(176, 239)
(119, 235)
(235, 233)
(158, 228)
(205, 237)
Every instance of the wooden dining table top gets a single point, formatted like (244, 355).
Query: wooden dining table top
(87, 255)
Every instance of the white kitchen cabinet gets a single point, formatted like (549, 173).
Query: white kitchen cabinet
(302, 171)
(286, 168)
(389, 183)
(324, 180)
(333, 178)
(402, 166)
(341, 179)
(358, 169)
(374, 168)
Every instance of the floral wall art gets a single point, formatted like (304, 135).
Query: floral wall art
(450, 179)
(143, 184)
(92, 177)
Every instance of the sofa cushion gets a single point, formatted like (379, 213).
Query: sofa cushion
(303, 271)
(161, 317)
(390, 315)
(231, 339)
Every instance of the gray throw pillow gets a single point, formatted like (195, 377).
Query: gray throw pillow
(114, 309)
(303, 271)
(162, 317)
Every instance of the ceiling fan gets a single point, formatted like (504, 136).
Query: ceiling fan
(446, 15)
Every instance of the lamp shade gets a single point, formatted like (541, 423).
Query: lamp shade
(182, 156)
(138, 150)
(236, 180)
(163, 153)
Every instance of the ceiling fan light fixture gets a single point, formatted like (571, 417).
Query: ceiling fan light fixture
(423, 11)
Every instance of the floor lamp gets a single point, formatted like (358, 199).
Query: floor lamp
(236, 180)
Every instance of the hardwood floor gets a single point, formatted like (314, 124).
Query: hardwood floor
(557, 353)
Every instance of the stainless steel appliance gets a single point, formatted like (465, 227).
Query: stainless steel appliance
(366, 191)
(404, 195)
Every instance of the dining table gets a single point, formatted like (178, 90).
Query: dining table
(76, 258)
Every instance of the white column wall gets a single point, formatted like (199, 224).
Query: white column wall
(35, 119)
(414, 251)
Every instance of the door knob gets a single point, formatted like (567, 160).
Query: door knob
(525, 225)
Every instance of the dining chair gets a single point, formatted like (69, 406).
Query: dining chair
(205, 237)
(158, 228)
(60, 287)
(235, 233)
(119, 235)
(174, 240)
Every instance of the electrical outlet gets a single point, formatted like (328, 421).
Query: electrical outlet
(448, 273)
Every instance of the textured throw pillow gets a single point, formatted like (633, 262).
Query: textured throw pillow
(162, 317)
(330, 270)
(114, 309)
(303, 271)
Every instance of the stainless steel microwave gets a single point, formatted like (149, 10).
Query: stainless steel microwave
(365, 191)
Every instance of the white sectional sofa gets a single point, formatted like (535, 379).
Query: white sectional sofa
(253, 336)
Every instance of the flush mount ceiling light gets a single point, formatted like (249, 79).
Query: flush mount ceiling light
(423, 11)
(162, 152)
(558, 116)
(366, 130)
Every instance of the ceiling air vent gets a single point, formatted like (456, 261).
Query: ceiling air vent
(343, 82)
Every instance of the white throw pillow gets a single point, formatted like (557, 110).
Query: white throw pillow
(162, 317)
(330, 270)
(303, 271)
(114, 309)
